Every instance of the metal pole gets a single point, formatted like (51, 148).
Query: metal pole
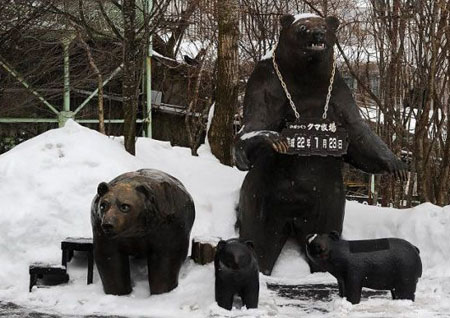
(148, 73)
(66, 106)
(106, 81)
(27, 120)
(20, 78)
(372, 189)
(66, 113)
(112, 121)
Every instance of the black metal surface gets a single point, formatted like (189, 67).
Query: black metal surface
(319, 292)
(11, 310)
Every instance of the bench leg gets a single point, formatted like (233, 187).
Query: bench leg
(65, 257)
(33, 280)
(90, 267)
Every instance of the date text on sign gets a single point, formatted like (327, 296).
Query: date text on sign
(309, 138)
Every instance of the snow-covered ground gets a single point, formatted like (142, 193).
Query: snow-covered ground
(46, 187)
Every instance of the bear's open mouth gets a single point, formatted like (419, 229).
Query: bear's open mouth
(109, 232)
(316, 46)
(323, 256)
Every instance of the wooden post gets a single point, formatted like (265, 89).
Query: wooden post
(204, 249)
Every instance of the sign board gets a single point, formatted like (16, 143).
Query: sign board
(314, 138)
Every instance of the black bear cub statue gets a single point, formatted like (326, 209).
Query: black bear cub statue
(237, 273)
(146, 213)
(382, 264)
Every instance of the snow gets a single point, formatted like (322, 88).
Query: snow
(269, 54)
(46, 188)
(255, 133)
(302, 16)
(154, 53)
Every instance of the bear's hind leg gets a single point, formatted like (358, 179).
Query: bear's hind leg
(405, 292)
(269, 237)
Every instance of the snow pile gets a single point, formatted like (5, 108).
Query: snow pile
(46, 188)
(426, 226)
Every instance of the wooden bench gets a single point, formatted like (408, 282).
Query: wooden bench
(51, 274)
(71, 244)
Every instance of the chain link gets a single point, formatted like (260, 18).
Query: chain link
(288, 95)
(283, 84)
(330, 89)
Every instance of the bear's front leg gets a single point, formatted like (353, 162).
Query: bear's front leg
(224, 294)
(114, 269)
(254, 145)
(341, 286)
(163, 269)
(250, 294)
(353, 288)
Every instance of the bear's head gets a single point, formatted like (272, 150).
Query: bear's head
(122, 208)
(319, 246)
(308, 35)
(234, 254)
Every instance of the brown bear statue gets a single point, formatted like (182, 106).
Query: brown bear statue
(145, 213)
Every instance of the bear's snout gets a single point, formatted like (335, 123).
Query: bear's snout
(318, 35)
(318, 249)
(108, 226)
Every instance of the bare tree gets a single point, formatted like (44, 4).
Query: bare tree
(409, 61)
(221, 132)
(95, 69)
(129, 23)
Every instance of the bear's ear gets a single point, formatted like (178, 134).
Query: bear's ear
(310, 237)
(332, 23)
(250, 244)
(286, 20)
(334, 235)
(145, 190)
(221, 244)
(102, 189)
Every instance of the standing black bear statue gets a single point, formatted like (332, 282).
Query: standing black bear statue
(237, 273)
(383, 264)
(144, 213)
(292, 194)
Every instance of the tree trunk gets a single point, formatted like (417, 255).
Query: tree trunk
(221, 132)
(196, 125)
(130, 81)
(95, 69)
(101, 109)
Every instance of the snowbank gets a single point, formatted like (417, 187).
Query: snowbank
(46, 188)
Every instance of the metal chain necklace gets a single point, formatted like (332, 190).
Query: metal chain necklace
(288, 95)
